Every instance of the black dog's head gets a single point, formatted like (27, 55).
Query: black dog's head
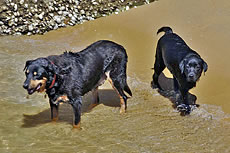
(192, 66)
(37, 75)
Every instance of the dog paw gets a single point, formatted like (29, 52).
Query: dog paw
(122, 110)
(183, 108)
(153, 85)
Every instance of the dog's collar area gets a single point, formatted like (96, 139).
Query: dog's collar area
(54, 79)
(53, 82)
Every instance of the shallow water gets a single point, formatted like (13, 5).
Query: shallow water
(150, 124)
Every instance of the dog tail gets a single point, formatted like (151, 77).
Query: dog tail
(167, 30)
(126, 88)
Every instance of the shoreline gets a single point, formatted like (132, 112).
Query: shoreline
(29, 17)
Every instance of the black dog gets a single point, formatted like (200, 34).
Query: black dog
(185, 65)
(67, 77)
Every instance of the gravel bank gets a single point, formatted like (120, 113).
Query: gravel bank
(28, 17)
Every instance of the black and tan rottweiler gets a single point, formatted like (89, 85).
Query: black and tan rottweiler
(67, 77)
(185, 65)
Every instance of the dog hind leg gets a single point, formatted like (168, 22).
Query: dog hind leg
(159, 66)
(118, 82)
(123, 98)
(116, 74)
(95, 98)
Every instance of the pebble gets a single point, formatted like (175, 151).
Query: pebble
(21, 2)
(57, 19)
(30, 27)
(40, 16)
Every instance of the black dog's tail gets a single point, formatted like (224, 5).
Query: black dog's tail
(167, 30)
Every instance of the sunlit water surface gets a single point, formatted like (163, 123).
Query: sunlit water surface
(150, 124)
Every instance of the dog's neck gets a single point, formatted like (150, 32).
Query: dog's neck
(53, 82)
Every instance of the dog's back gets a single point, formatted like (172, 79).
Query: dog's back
(172, 46)
(89, 65)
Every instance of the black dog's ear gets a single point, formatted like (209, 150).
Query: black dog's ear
(205, 66)
(50, 66)
(53, 68)
(181, 66)
(27, 64)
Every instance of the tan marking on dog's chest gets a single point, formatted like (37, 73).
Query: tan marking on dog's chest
(63, 99)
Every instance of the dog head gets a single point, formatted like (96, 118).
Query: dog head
(38, 74)
(192, 66)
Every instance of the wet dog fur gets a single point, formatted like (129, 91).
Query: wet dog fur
(67, 77)
(185, 64)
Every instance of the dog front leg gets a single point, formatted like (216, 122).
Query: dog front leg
(175, 85)
(76, 104)
(184, 95)
(184, 107)
(54, 111)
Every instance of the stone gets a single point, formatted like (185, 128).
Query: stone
(30, 27)
(40, 16)
(21, 2)
(57, 19)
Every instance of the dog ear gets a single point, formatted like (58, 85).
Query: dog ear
(205, 66)
(181, 66)
(48, 65)
(27, 64)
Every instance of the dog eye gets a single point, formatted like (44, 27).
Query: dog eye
(35, 73)
(27, 71)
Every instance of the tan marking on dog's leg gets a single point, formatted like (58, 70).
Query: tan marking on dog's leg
(55, 119)
(122, 102)
(77, 126)
(94, 98)
(55, 115)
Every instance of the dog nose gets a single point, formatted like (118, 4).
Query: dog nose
(191, 76)
(25, 86)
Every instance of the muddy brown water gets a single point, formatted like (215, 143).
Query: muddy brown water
(150, 124)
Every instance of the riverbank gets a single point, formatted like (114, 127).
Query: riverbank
(28, 17)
